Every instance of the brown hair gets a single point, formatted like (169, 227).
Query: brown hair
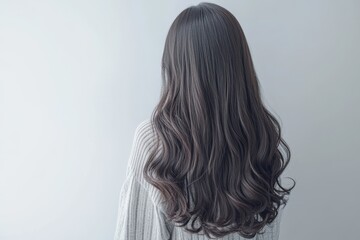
(221, 148)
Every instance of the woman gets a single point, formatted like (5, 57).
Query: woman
(207, 164)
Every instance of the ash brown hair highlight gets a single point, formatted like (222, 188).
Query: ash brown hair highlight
(219, 152)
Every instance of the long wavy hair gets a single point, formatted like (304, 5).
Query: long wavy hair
(218, 158)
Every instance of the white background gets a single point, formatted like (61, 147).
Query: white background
(77, 77)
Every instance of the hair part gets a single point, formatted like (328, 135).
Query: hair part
(219, 152)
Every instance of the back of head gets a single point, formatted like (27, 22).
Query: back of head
(222, 153)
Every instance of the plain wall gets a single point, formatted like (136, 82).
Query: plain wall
(77, 77)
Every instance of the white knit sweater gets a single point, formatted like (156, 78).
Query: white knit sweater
(140, 215)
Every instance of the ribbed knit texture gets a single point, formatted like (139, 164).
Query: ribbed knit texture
(140, 215)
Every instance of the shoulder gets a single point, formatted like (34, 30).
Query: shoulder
(144, 129)
(143, 139)
(144, 143)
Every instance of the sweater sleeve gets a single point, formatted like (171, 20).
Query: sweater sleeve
(272, 231)
(138, 216)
